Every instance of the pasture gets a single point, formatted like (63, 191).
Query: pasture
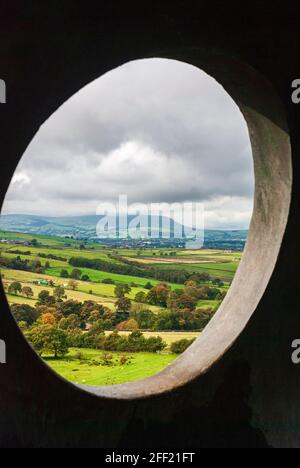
(87, 367)
(88, 371)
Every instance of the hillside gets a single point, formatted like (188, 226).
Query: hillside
(84, 227)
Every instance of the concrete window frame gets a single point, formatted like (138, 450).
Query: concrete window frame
(271, 149)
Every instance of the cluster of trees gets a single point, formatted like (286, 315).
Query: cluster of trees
(134, 342)
(184, 319)
(75, 274)
(181, 312)
(52, 257)
(16, 288)
(102, 265)
(55, 324)
(53, 328)
(128, 267)
(150, 271)
(17, 263)
(186, 298)
(20, 252)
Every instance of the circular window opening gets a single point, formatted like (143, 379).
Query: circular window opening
(126, 220)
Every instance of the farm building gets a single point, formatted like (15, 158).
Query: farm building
(41, 282)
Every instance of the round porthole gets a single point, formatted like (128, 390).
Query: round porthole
(271, 150)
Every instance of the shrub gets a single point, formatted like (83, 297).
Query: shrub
(123, 360)
(128, 325)
(108, 281)
(107, 360)
(80, 356)
(178, 347)
(85, 278)
(64, 274)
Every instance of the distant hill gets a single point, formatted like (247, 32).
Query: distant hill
(84, 227)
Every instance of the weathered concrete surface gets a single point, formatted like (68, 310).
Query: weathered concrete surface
(239, 388)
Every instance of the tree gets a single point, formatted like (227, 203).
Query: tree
(48, 319)
(200, 278)
(95, 316)
(214, 293)
(38, 337)
(85, 278)
(159, 295)
(72, 322)
(15, 288)
(218, 282)
(27, 291)
(203, 317)
(121, 290)
(145, 319)
(44, 298)
(141, 297)
(59, 293)
(75, 274)
(24, 313)
(72, 284)
(123, 307)
(48, 339)
(34, 243)
(148, 285)
(70, 307)
(167, 320)
(183, 302)
(64, 273)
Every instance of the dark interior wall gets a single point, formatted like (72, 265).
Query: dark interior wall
(250, 398)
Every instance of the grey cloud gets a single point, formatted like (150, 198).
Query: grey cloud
(188, 142)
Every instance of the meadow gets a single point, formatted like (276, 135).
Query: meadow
(87, 369)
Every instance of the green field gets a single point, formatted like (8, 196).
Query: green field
(217, 263)
(97, 276)
(101, 293)
(139, 366)
(224, 270)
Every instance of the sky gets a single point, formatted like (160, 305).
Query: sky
(156, 130)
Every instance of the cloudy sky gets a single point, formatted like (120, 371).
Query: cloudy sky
(156, 130)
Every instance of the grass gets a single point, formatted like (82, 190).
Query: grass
(12, 299)
(54, 263)
(97, 276)
(220, 264)
(208, 304)
(139, 366)
(102, 293)
(220, 270)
